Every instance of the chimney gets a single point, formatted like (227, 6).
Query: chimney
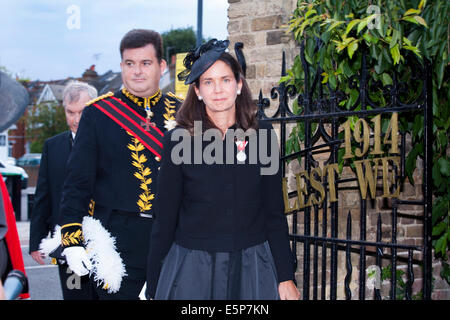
(90, 74)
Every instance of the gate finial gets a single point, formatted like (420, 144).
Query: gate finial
(238, 46)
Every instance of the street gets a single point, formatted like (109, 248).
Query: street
(43, 280)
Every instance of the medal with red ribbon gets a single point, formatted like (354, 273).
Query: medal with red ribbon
(241, 156)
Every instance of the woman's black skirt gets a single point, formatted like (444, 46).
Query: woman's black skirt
(247, 274)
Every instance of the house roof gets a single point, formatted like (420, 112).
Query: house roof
(43, 91)
(57, 90)
(51, 93)
(110, 81)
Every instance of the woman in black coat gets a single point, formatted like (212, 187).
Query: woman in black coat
(219, 230)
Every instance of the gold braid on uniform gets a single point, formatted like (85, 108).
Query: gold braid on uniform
(106, 95)
(91, 207)
(143, 102)
(145, 198)
(169, 116)
(71, 235)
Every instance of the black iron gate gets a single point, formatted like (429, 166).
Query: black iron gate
(321, 248)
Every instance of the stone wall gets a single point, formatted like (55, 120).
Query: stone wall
(260, 25)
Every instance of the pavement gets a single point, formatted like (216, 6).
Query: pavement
(43, 280)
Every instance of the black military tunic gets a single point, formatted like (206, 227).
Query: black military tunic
(116, 170)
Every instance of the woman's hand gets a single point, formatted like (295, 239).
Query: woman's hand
(288, 290)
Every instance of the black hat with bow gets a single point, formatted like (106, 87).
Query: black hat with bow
(201, 58)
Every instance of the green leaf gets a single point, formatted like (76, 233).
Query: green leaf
(442, 139)
(439, 228)
(421, 20)
(440, 209)
(295, 108)
(394, 39)
(411, 11)
(410, 19)
(445, 272)
(421, 4)
(351, 48)
(382, 29)
(386, 79)
(369, 38)
(411, 163)
(332, 80)
(335, 24)
(413, 49)
(311, 11)
(350, 15)
(325, 77)
(441, 244)
(440, 74)
(417, 127)
(445, 166)
(354, 94)
(346, 68)
(406, 41)
(436, 174)
(288, 146)
(351, 25)
(395, 53)
(362, 25)
(302, 28)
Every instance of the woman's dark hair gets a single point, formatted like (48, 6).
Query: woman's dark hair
(193, 109)
(138, 38)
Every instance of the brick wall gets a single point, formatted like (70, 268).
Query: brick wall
(259, 25)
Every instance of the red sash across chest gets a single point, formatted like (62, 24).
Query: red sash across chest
(149, 135)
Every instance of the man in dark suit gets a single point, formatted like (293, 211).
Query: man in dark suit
(52, 171)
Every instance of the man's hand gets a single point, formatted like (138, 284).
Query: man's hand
(38, 256)
(78, 260)
(288, 290)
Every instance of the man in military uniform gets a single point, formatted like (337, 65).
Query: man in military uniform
(115, 161)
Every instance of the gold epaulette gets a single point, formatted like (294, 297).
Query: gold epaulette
(103, 96)
(172, 95)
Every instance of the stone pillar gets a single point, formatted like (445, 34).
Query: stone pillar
(260, 25)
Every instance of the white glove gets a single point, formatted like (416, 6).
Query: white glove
(78, 260)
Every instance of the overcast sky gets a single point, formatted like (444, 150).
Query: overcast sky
(56, 39)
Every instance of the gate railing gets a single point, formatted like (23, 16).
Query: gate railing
(321, 109)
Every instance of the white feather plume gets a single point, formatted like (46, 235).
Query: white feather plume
(48, 245)
(107, 265)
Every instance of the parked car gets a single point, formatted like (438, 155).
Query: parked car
(29, 159)
(8, 170)
(11, 160)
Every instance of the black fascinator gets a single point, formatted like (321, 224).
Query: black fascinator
(201, 58)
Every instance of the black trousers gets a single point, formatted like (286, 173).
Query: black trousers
(132, 234)
(75, 287)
